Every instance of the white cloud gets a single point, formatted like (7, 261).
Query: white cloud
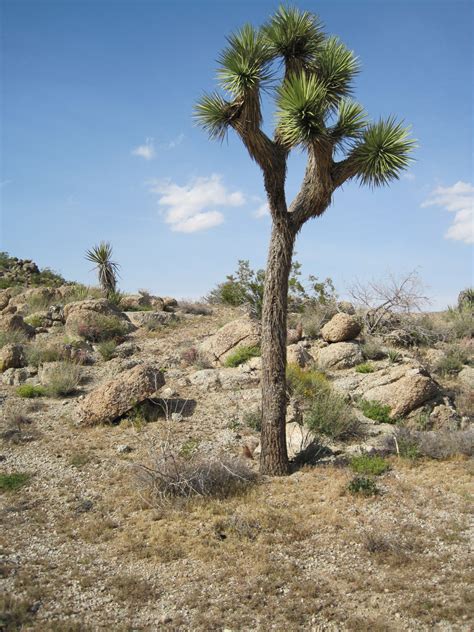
(262, 211)
(458, 199)
(192, 207)
(409, 176)
(146, 151)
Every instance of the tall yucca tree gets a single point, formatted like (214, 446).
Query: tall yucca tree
(315, 112)
(107, 270)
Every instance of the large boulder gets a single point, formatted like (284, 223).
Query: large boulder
(403, 393)
(143, 319)
(94, 314)
(11, 357)
(243, 332)
(340, 355)
(116, 397)
(15, 322)
(297, 354)
(340, 328)
(466, 377)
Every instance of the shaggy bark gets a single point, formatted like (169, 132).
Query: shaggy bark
(274, 457)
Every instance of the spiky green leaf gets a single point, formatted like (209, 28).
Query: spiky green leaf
(382, 153)
(244, 63)
(336, 66)
(213, 113)
(107, 269)
(294, 35)
(351, 123)
(301, 107)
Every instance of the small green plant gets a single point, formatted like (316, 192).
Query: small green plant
(376, 411)
(107, 349)
(330, 415)
(35, 320)
(189, 448)
(305, 383)
(12, 482)
(407, 447)
(362, 486)
(365, 368)
(394, 356)
(241, 355)
(30, 390)
(367, 464)
(63, 379)
(253, 420)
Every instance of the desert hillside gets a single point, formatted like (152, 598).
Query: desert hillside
(129, 448)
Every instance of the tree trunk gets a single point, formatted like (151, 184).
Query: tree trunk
(274, 457)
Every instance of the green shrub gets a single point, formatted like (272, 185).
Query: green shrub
(63, 379)
(376, 411)
(365, 368)
(253, 420)
(452, 362)
(102, 328)
(30, 390)
(35, 320)
(369, 465)
(360, 485)
(12, 482)
(305, 383)
(107, 349)
(461, 323)
(241, 355)
(330, 415)
(78, 292)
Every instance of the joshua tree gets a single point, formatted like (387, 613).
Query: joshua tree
(107, 269)
(314, 111)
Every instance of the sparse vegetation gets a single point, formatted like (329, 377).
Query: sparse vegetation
(12, 482)
(453, 361)
(394, 356)
(253, 420)
(41, 351)
(369, 465)
(330, 415)
(63, 379)
(372, 348)
(102, 328)
(376, 411)
(241, 355)
(12, 337)
(438, 445)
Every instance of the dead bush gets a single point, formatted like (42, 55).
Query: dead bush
(435, 445)
(197, 309)
(176, 476)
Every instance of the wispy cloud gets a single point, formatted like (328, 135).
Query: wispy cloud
(409, 176)
(146, 151)
(194, 207)
(458, 199)
(262, 211)
(175, 141)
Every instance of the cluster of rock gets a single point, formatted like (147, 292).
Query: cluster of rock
(18, 270)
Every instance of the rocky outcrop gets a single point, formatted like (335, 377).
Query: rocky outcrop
(11, 357)
(142, 319)
(244, 332)
(340, 355)
(114, 398)
(403, 393)
(297, 354)
(231, 379)
(340, 328)
(15, 322)
(466, 376)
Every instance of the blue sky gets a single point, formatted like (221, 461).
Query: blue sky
(98, 143)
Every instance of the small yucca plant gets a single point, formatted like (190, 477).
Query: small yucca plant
(107, 269)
